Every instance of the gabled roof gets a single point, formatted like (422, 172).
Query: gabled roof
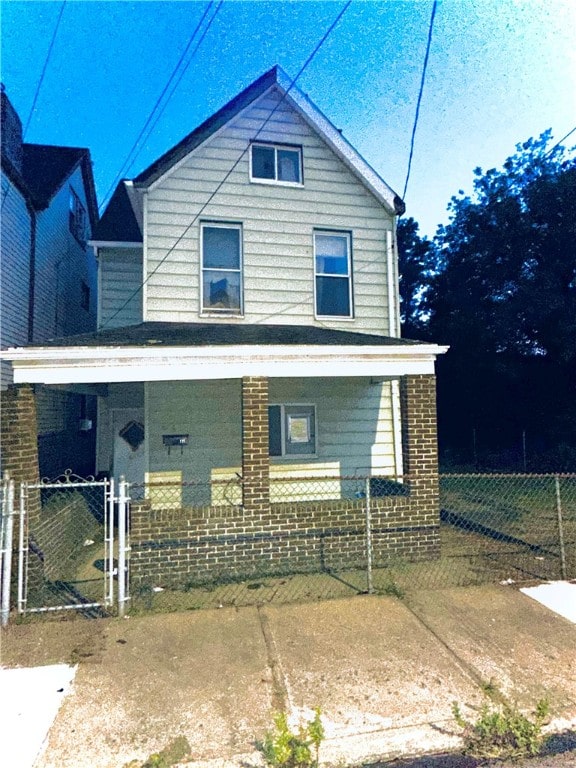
(277, 78)
(122, 220)
(45, 168)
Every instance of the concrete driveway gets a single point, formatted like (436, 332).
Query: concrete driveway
(383, 671)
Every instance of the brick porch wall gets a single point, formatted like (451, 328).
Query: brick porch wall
(187, 547)
(199, 545)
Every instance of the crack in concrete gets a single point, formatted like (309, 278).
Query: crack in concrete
(280, 695)
(467, 669)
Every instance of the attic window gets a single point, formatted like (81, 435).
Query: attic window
(77, 218)
(276, 164)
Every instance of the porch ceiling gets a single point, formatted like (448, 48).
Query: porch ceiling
(183, 351)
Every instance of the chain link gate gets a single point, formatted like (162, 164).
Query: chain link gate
(66, 551)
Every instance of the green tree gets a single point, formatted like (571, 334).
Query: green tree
(416, 262)
(504, 297)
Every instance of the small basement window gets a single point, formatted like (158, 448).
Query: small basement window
(292, 430)
(276, 164)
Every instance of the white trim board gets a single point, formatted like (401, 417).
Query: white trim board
(66, 365)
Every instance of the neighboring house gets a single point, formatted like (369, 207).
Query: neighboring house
(48, 277)
(249, 325)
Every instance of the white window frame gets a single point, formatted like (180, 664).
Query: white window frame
(348, 236)
(77, 218)
(283, 430)
(233, 312)
(276, 181)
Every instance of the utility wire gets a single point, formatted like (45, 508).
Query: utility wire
(424, 68)
(177, 83)
(44, 68)
(38, 87)
(560, 142)
(133, 151)
(234, 166)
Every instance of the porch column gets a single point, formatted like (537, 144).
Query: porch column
(255, 451)
(420, 445)
(19, 434)
(19, 456)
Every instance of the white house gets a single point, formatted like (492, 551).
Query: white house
(248, 323)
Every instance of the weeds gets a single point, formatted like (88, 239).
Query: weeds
(175, 752)
(283, 748)
(503, 731)
(392, 589)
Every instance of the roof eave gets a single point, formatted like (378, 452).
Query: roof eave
(95, 365)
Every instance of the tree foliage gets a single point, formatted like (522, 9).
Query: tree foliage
(498, 284)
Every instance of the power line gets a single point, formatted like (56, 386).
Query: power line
(41, 80)
(177, 83)
(231, 170)
(132, 154)
(560, 142)
(424, 68)
(35, 99)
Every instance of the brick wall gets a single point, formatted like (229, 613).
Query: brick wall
(255, 456)
(19, 439)
(178, 547)
(420, 444)
(19, 457)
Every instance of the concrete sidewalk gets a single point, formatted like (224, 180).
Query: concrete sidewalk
(384, 673)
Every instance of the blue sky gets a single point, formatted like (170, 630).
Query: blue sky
(499, 72)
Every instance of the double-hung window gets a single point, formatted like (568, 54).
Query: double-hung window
(221, 268)
(77, 219)
(276, 163)
(333, 273)
(292, 430)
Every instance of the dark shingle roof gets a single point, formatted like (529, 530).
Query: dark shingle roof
(208, 127)
(152, 334)
(122, 220)
(46, 167)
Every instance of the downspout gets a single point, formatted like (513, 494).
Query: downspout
(32, 275)
(394, 330)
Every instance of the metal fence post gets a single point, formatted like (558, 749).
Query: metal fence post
(109, 542)
(368, 538)
(21, 552)
(122, 519)
(560, 527)
(7, 533)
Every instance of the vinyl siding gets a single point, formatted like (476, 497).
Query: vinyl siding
(278, 224)
(120, 277)
(354, 426)
(14, 273)
(62, 265)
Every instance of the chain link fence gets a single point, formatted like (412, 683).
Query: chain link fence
(64, 553)
(201, 545)
(194, 545)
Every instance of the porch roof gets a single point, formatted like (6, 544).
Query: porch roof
(157, 351)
